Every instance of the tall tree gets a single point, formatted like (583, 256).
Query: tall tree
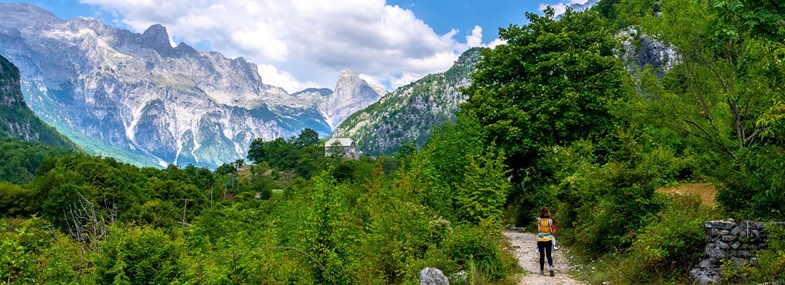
(551, 84)
(727, 90)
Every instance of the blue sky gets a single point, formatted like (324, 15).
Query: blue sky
(304, 43)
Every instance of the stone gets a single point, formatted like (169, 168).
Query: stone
(706, 263)
(735, 245)
(724, 232)
(715, 253)
(728, 238)
(744, 254)
(736, 230)
(703, 279)
(722, 245)
(433, 276)
(737, 263)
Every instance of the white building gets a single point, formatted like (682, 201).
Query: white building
(341, 147)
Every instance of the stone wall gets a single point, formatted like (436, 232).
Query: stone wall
(731, 242)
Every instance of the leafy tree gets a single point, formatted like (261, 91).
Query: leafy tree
(553, 83)
(308, 137)
(725, 91)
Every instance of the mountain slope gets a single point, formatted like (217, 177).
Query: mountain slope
(137, 98)
(16, 119)
(411, 111)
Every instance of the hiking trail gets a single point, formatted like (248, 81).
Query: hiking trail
(525, 249)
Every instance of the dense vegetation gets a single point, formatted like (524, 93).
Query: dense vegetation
(553, 119)
(86, 219)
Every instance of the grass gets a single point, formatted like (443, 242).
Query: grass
(705, 191)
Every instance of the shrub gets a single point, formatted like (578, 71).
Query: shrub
(139, 255)
(672, 243)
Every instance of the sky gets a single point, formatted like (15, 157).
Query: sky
(299, 44)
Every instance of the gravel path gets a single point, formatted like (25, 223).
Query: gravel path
(526, 251)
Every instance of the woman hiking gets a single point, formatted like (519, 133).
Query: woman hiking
(545, 239)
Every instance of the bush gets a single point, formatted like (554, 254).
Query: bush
(139, 255)
(671, 244)
(755, 184)
(472, 245)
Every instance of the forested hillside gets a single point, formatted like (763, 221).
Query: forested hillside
(553, 118)
(408, 114)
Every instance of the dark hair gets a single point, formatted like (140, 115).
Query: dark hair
(544, 213)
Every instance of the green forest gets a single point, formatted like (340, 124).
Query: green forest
(555, 117)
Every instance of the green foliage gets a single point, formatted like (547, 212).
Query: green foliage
(139, 255)
(606, 204)
(303, 153)
(30, 253)
(483, 192)
(753, 185)
(471, 245)
(553, 83)
(672, 243)
(20, 159)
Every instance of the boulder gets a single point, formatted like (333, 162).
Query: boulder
(433, 276)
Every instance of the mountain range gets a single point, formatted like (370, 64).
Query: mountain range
(137, 98)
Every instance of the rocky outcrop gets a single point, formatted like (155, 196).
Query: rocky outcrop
(16, 119)
(729, 243)
(639, 50)
(433, 276)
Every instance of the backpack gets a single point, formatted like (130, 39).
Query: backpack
(545, 226)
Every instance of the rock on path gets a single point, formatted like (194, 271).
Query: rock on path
(526, 251)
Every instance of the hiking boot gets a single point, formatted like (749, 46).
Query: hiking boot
(542, 272)
(551, 271)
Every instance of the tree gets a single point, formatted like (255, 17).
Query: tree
(727, 89)
(551, 84)
(308, 137)
(257, 152)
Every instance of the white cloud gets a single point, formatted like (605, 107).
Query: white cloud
(475, 38)
(561, 7)
(283, 79)
(307, 41)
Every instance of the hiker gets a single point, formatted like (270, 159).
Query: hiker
(545, 239)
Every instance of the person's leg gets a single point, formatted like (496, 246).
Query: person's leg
(541, 248)
(548, 246)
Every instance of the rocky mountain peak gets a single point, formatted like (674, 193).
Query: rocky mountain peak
(156, 38)
(347, 73)
(26, 12)
(351, 94)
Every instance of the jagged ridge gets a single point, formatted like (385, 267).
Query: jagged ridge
(137, 98)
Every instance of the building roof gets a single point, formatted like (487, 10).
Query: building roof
(341, 141)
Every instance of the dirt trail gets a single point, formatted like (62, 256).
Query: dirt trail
(526, 252)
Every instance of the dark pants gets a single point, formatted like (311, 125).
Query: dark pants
(545, 250)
